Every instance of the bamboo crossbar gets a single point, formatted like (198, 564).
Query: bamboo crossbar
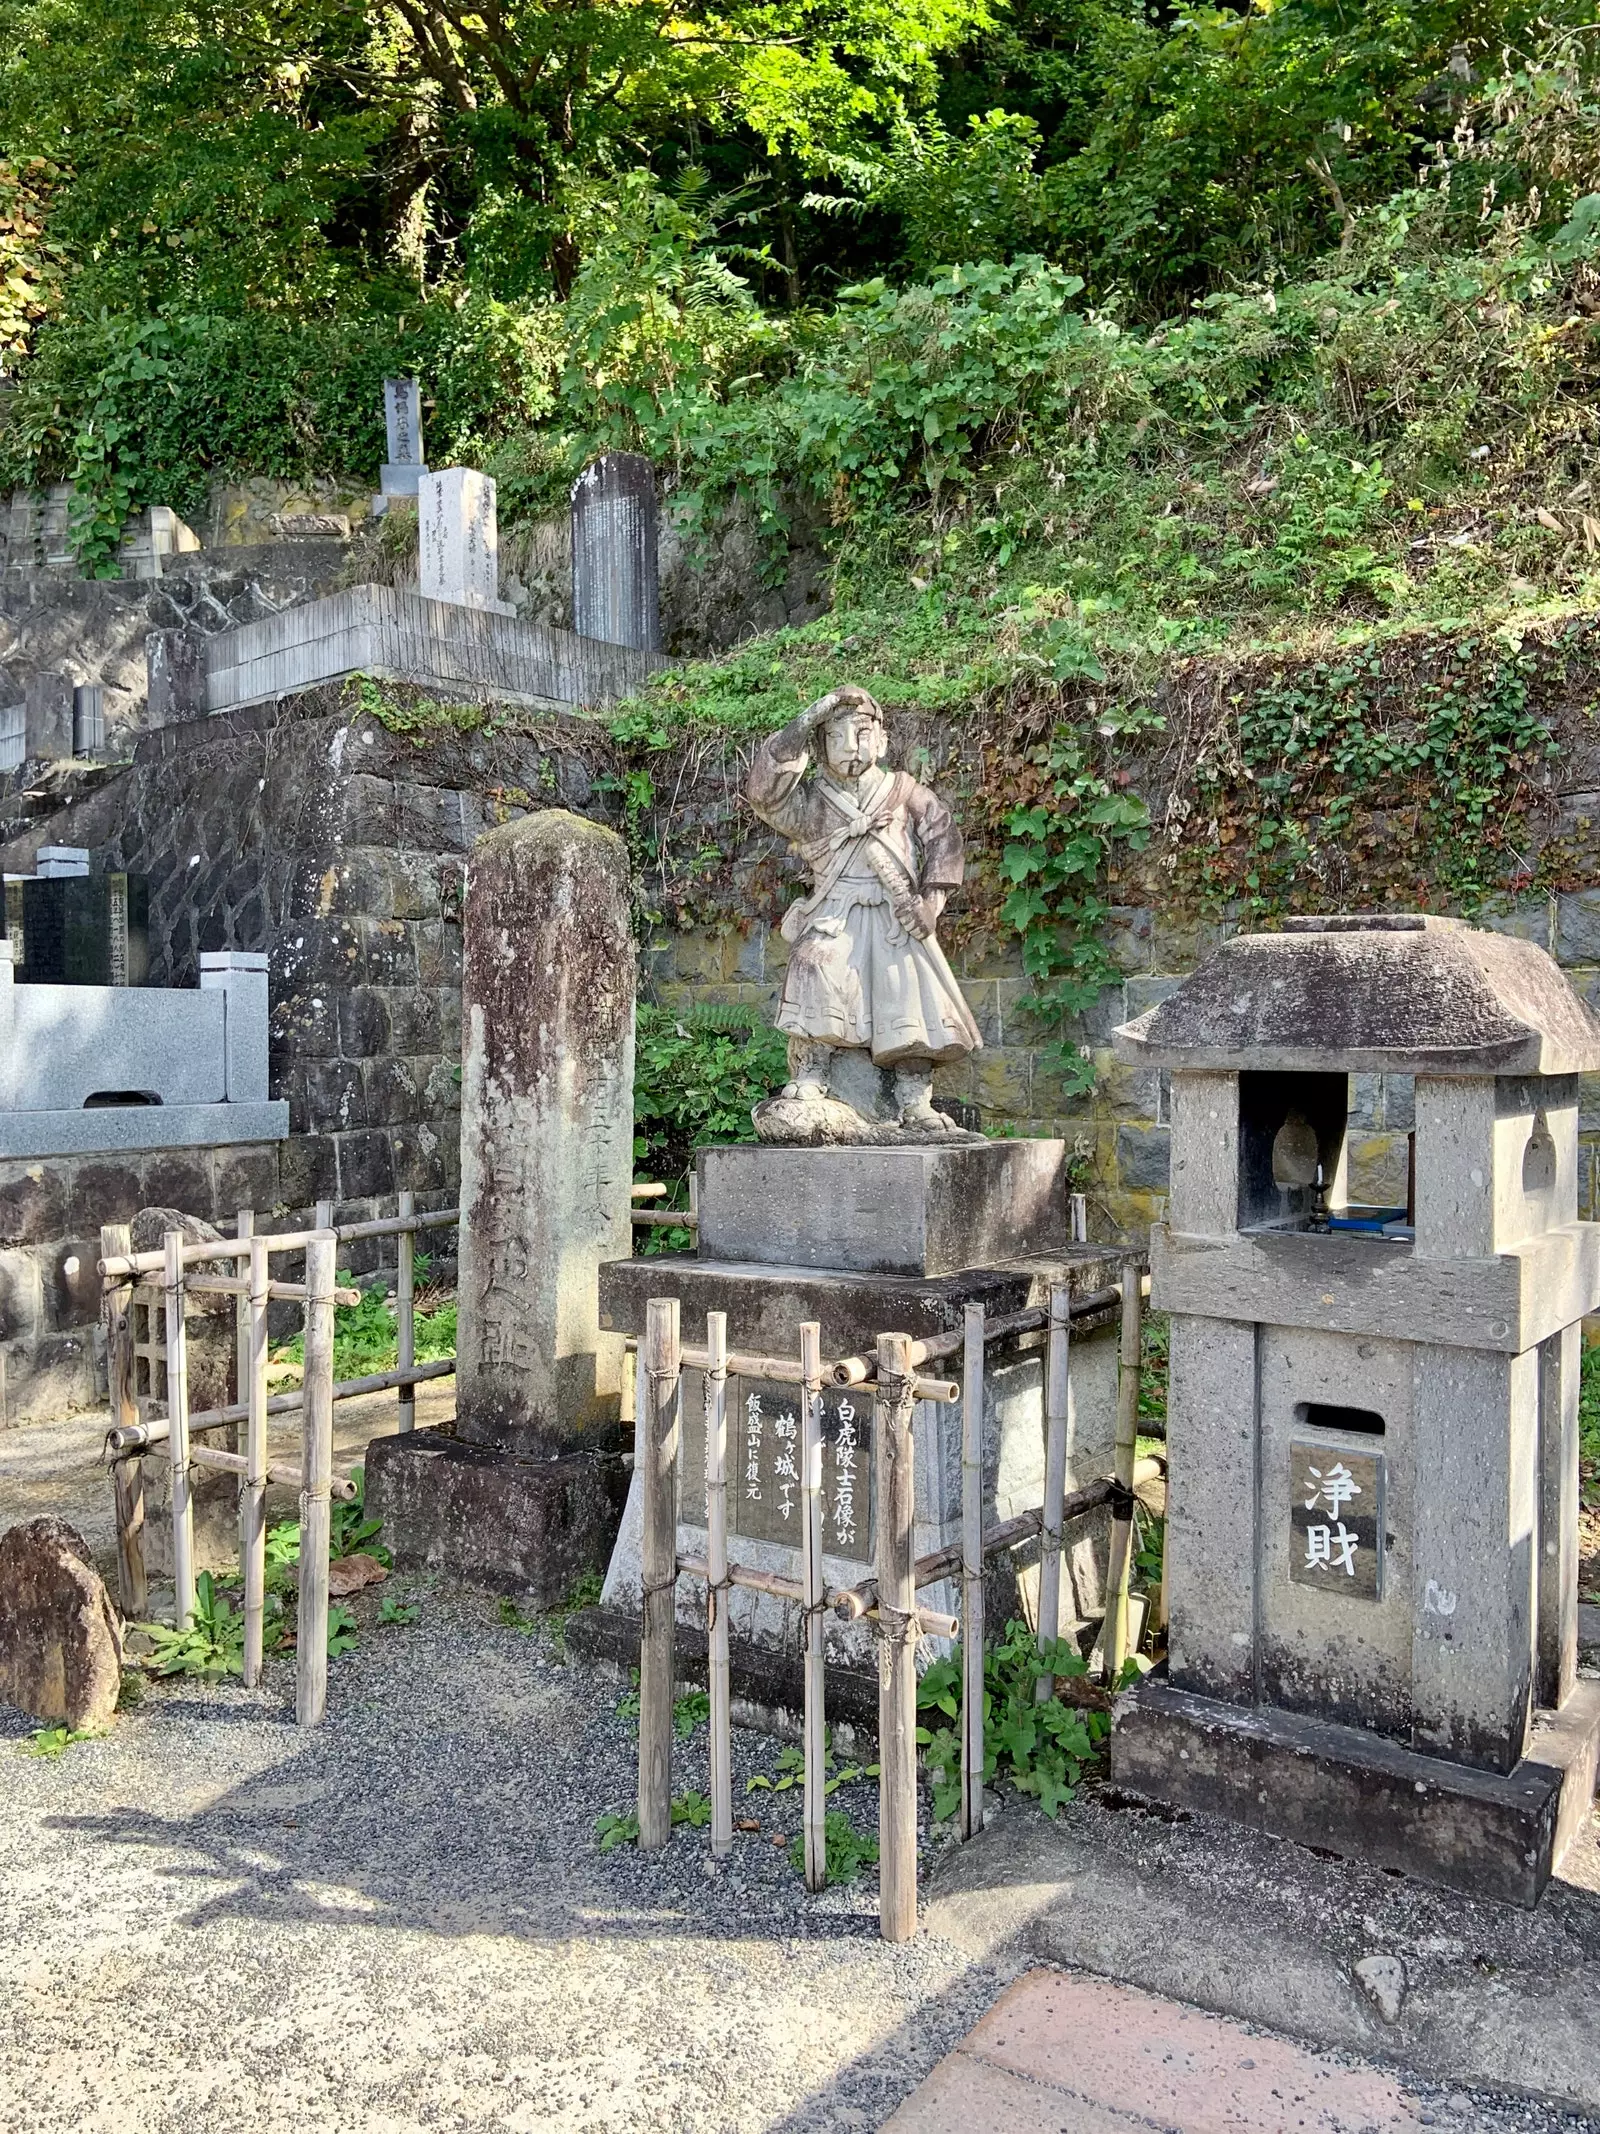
(857, 1370)
(235, 1463)
(130, 1439)
(237, 1285)
(934, 1624)
(1009, 1534)
(645, 1218)
(786, 1370)
(126, 1266)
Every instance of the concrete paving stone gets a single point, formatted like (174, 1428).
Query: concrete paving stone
(1155, 2061)
(965, 2095)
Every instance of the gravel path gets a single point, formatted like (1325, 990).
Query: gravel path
(404, 1920)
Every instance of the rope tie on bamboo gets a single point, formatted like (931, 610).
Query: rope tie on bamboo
(1121, 1500)
(662, 1585)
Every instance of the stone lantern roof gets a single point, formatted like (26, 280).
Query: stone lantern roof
(1385, 994)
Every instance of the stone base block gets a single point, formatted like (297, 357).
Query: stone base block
(493, 1518)
(1343, 1790)
(765, 1308)
(769, 1682)
(911, 1210)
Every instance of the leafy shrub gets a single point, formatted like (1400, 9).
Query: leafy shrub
(698, 1073)
(1042, 1749)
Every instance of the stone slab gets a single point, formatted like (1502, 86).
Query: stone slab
(1375, 1285)
(922, 1210)
(122, 1128)
(60, 1641)
(1272, 1933)
(1357, 1794)
(766, 1304)
(493, 1518)
(1156, 2064)
(399, 636)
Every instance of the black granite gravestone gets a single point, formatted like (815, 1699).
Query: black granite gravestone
(82, 930)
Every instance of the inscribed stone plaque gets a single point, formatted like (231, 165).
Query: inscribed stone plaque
(1336, 1519)
(763, 1467)
(402, 414)
(458, 556)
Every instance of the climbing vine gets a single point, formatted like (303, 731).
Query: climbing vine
(1408, 780)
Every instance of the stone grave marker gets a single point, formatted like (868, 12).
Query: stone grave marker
(458, 549)
(48, 698)
(402, 416)
(616, 587)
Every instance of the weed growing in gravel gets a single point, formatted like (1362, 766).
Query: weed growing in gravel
(342, 1633)
(690, 1710)
(1043, 1749)
(792, 1770)
(392, 1610)
(350, 1530)
(514, 1619)
(848, 1849)
(54, 1741)
(613, 1830)
(212, 1645)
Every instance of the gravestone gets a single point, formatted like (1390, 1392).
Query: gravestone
(458, 548)
(616, 586)
(88, 719)
(524, 1492)
(60, 1640)
(402, 416)
(175, 675)
(48, 698)
(83, 929)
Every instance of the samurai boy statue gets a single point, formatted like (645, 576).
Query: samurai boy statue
(866, 974)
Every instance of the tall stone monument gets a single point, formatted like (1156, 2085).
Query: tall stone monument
(616, 584)
(523, 1491)
(458, 542)
(402, 419)
(1372, 1540)
(864, 1207)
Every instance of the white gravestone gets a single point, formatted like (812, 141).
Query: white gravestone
(458, 551)
(402, 415)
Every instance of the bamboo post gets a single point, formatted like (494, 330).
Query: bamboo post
(1114, 1638)
(1057, 1403)
(972, 1754)
(717, 1586)
(1078, 1203)
(316, 1472)
(243, 1226)
(892, 1405)
(178, 1432)
(253, 1488)
(659, 1400)
(127, 1476)
(813, 1602)
(405, 1310)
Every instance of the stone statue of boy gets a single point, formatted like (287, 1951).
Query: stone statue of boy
(866, 972)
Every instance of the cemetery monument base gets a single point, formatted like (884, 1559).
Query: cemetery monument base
(766, 1304)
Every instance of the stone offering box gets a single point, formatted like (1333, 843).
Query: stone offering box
(1373, 1412)
(866, 1240)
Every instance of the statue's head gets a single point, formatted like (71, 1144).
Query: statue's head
(854, 737)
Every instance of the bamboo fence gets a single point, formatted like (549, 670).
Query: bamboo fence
(893, 1375)
(147, 1369)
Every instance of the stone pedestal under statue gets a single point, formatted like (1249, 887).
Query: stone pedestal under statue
(866, 1240)
(522, 1491)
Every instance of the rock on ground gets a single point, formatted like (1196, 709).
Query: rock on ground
(60, 1639)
